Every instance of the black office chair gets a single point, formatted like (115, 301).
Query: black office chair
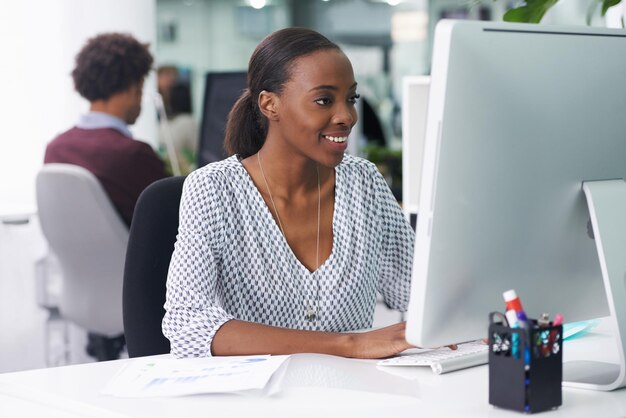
(150, 246)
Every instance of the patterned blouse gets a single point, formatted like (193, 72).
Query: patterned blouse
(231, 260)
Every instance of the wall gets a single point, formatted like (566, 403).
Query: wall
(220, 35)
(385, 43)
(38, 40)
(213, 35)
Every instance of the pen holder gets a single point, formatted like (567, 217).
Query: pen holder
(525, 366)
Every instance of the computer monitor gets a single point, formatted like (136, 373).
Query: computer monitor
(414, 108)
(521, 119)
(221, 91)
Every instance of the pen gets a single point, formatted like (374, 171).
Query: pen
(544, 320)
(511, 318)
(522, 322)
(512, 322)
(512, 301)
(514, 310)
(558, 320)
(517, 319)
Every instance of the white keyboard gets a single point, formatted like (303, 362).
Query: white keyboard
(442, 360)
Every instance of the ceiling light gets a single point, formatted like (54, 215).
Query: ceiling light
(257, 4)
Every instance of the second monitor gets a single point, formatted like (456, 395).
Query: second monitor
(221, 91)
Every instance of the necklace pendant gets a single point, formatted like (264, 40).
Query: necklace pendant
(310, 314)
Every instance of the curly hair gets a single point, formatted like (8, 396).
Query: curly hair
(110, 63)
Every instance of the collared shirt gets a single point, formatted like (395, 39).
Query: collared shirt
(100, 120)
(231, 260)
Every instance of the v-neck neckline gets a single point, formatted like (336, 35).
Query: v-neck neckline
(269, 218)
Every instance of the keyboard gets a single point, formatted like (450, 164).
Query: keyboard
(442, 360)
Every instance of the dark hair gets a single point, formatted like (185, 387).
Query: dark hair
(180, 99)
(110, 63)
(269, 69)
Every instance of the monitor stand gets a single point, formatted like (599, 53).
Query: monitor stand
(607, 208)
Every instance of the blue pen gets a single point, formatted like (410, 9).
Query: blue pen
(522, 321)
(517, 319)
(511, 317)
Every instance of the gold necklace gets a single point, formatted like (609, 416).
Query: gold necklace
(310, 312)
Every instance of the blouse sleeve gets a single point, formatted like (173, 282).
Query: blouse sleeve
(397, 243)
(193, 311)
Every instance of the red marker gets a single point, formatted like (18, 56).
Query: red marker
(514, 311)
(512, 301)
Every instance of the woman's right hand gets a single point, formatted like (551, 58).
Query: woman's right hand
(380, 343)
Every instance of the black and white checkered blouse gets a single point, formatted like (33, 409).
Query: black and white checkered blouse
(232, 262)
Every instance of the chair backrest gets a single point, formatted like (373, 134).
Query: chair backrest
(89, 238)
(150, 246)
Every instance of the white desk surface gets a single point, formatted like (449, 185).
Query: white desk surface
(313, 386)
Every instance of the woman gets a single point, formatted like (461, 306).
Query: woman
(283, 246)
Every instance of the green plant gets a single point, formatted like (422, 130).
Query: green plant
(378, 154)
(389, 163)
(532, 11)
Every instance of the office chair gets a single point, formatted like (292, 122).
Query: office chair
(150, 246)
(89, 238)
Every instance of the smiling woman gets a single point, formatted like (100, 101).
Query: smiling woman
(316, 109)
(283, 246)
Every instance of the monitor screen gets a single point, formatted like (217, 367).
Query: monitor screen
(518, 117)
(220, 94)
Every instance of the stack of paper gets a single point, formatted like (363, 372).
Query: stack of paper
(145, 377)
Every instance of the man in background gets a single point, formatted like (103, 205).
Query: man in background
(109, 73)
(167, 76)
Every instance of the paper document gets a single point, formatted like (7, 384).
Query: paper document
(146, 377)
(577, 329)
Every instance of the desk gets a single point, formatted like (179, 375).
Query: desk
(16, 214)
(314, 386)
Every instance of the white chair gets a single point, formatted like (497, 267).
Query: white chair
(89, 238)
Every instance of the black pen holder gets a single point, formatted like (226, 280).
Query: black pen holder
(525, 366)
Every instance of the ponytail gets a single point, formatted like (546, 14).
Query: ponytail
(246, 127)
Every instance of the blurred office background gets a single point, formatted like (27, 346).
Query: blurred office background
(386, 40)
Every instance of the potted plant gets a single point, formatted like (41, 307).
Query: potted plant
(389, 163)
(532, 11)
